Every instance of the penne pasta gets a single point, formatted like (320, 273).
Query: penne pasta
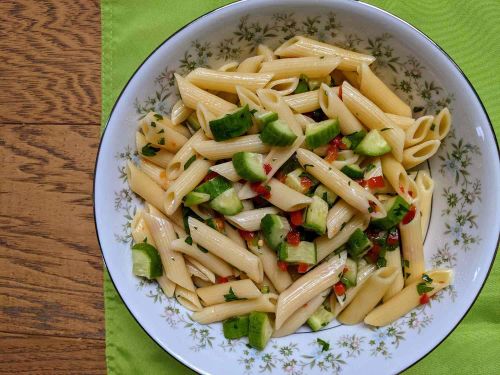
(162, 136)
(441, 125)
(226, 170)
(398, 178)
(418, 131)
(251, 64)
(144, 186)
(284, 86)
(249, 98)
(155, 172)
(250, 220)
(209, 275)
(266, 52)
(179, 162)
(281, 279)
(161, 157)
(187, 298)
(285, 198)
(304, 102)
(312, 67)
(334, 107)
(402, 122)
(213, 150)
(227, 81)
(180, 112)
(413, 249)
(204, 117)
(234, 236)
(425, 187)
(230, 291)
(338, 216)
(416, 155)
(393, 259)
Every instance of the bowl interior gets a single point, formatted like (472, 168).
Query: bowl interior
(464, 209)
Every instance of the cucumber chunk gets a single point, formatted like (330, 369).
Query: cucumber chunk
(353, 171)
(358, 244)
(146, 261)
(194, 198)
(350, 275)
(214, 187)
(303, 85)
(320, 319)
(249, 166)
(277, 133)
(396, 208)
(373, 144)
(193, 122)
(235, 328)
(264, 118)
(352, 140)
(260, 330)
(326, 194)
(305, 252)
(231, 125)
(274, 229)
(316, 215)
(227, 203)
(321, 133)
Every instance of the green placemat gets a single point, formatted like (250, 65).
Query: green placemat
(468, 30)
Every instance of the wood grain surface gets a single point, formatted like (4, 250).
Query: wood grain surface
(51, 303)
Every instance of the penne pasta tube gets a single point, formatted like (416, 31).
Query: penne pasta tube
(144, 186)
(441, 125)
(154, 171)
(213, 150)
(302, 46)
(220, 245)
(266, 286)
(230, 291)
(166, 285)
(250, 220)
(164, 121)
(393, 259)
(178, 163)
(234, 236)
(251, 64)
(310, 284)
(425, 187)
(407, 299)
(352, 78)
(163, 136)
(272, 101)
(163, 234)
(312, 67)
(326, 246)
(398, 178)
(334, 107)
(280, 279)
(285, 198)
(416, 155)
(263, 50)
(377, 91)
(199, 283)
(417, 132)
(192, 95)
(338, 216)
(209, 260)
(284, 86)
(249, 98)
(369, 296)
(209, 79)
(204, 117)
(373, 117)
(344, 158)
(180, 112)
(304, 120)
(413, 249)
(161, 157)
(299, 317)
(222, 311)
(231, 66)
(226, 170)
(208, 275)
(185, 183)
(187, 298)
(402, 122)
(340, 184)
(304, 102)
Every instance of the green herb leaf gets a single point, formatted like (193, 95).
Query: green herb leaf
(161, 141)
(149, 150)
(308, 165)
(433, 126)
(189, 162)
(231, 296)
(406, 263)
(153, 124)
(369, 167)
(189, 240)
(202, 249)
(161, 131)
(385, 129)
(158, 117)
(325, 345)
(423, 288)
(381, 262)
(426, 278)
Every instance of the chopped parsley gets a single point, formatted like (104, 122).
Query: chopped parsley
(231, 296)
(161, 131)
(433, 126)
(406, 263)
(308, 165)
(370, 209)
(369, 167)
(158, 117)
(381, 262)
(189, 162)
(149, 150)
(325, 345)
(161, 141)
(153, 124)
(423, 288)
(202, 249)
(426, 278)
(189, 240)
(385, 129)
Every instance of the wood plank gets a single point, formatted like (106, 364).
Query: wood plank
(50, 57)
(50, 263)
(21, 354)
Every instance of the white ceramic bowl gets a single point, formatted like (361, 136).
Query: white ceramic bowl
(463, 230)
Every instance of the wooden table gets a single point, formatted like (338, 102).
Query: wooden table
(51, 302)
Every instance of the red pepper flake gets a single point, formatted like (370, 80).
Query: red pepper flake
(376, 182)
(282, 265)
(340, 92)
(267, 168)
(246, 235)
(222, 280)
(345, 270)
(361, 182)
(281, 177)
(296, 217)
(411, 193)
(409, 215)
(402, 189)
(219, 223)
(305, 182)
(293, 238)
(302, 267)
(262, 190)
(339, 288)
(373, 253)
(373, 207)
(393, 238)
(331, 153)
(424, 298)
(210, 176)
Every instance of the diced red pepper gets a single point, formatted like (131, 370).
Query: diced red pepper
(373, 253)
(210, 176)
(409, 215)
(246, 235)
(393, 238)
(411, 193)
(373, 206)
(219, 223)
(376, 182)
(296, 217)
(340, 92)
(222, 280)
(305, 182)
(331, 153)
(362, 182)
(267, 168)
(293, 238)
(262, 190)
(402, 189)
(337, 141)
(282, 265)
(424, 298)
(280, 176)
(339, 289)
(302, 268)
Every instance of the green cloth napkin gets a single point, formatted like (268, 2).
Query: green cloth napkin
(468, 30)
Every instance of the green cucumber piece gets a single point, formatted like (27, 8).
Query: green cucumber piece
(351, 274)
(319, 134)
(274, 229)
(146, 261)
(277, 133)
(316, 215)
(358, 244)
(193, 122)
(265, 289)
(249, 166)
(195, 198)
(320, 319)
(231, 125)
(373, 144)
(260, 330)
(304, 252)
(292, 180)
(214, 187)
(227, 203)
(303, 85)
(235, 328)
(352, 140)
(396, 208)
(353, 171)
(264, 118)
(326, 194)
